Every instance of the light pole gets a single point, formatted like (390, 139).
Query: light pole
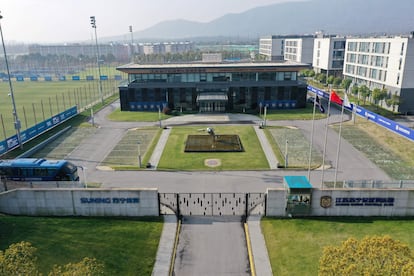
(132, 44)
(93, 24)
(139, 153)
(17, 124)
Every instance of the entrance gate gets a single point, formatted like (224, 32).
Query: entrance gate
(212, 204)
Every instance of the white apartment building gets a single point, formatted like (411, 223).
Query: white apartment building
(272, 47)
(383, 62)
(299, 49)
(328, 55)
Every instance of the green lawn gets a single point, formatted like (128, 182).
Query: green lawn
(295, 245)
(134, 116)
(126, 152)
(174, 157)
(125, 246)
(294, 114)
(39, 100)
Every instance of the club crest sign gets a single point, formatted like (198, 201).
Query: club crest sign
(326, 201)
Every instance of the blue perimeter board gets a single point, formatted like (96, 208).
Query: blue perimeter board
(297, 182)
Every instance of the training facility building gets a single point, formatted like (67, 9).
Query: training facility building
(384, 63)
(213, 86)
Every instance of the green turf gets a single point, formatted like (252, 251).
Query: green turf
(135, 116)
(174, 157)
(293, 114)
(297, 147)
(125, 154)
(295, 245)
(37, 101)
(125, 246)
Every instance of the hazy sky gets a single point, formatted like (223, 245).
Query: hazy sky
(68, 20)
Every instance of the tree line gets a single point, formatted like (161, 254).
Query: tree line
(363, 92)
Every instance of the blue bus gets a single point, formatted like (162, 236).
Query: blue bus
(33, 169)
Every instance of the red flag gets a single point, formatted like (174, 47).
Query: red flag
(335, 98)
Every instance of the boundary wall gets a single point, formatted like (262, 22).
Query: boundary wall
(146, 202)
(80, 202)
(348, 202)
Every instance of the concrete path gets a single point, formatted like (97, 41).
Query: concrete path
(267, 148)
(165, 247)
(159, 148)
(259, 250)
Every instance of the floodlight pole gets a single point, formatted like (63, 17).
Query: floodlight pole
(17, 123)
(132, 44)
(93, 24)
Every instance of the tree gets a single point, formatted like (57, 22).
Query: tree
(355, 90)
(337, 81)
(88, 267)
(373, 255)
(330, 79)
(364, 91)
(20, 259)
(393, 101)
(378, 95)
(346, 83)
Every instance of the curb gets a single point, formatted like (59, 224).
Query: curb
(249, 250)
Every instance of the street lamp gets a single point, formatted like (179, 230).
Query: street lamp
(17, 124)
(132, 44)
(93, 24)
(139, 154)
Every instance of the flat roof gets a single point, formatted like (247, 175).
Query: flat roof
(297, 182)
(210, 65)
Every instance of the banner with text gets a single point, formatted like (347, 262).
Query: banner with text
(13, 142)
(369, 115)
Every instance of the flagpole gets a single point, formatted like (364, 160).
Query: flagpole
(339, 144)
(326, 138)
(311, 141)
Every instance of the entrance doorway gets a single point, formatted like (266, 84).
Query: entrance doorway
(212, 102)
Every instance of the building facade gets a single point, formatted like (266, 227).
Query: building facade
(328, 55)
(384, 63)
(272, 47)
(213, 87)
(297, 48)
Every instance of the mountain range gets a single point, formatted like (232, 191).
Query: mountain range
(341, 17)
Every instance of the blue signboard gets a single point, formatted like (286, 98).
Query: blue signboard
(147, 106)
(62, 78)
(89, 78)
(48, 78)
(104, 77)
(282, 104)
(374, 117)
(33, 78)
(75, 78)
(19, 78)
(26, 135)
(118, 77)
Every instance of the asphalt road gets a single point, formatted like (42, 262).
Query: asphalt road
(210, 254)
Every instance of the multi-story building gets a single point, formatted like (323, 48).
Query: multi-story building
(299, 49)
(120, 51)
(213, 86)
(328, 55)
(272, 47)
(385, 63)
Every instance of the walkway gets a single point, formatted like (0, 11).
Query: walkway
(267, 148)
